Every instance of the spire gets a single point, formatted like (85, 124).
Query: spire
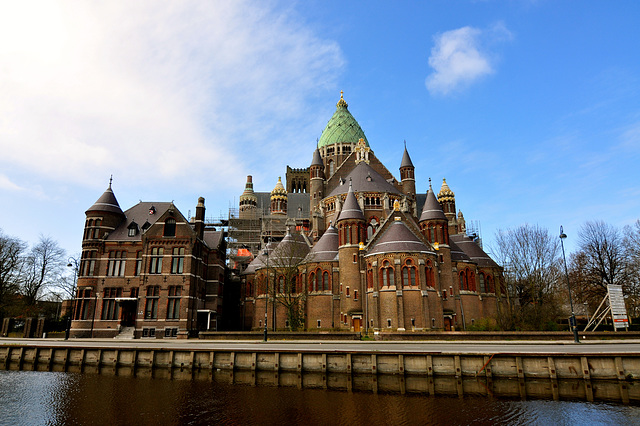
(432, 208)
(406, 160)
(350, 209)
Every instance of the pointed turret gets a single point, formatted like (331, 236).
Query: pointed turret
(279, 199)
(103, 216)
(407, 174)
(248, 201)
(447, 200)
(316, 186)
(433, 221)
(351, 208)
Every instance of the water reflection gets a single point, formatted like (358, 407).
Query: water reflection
(125, 395)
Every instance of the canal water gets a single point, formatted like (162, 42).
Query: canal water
(123, 396)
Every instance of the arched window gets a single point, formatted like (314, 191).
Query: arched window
(280, 284)
(386, 274)
(170, 227)
(429, 275)
(489, 285)
(325, 281)
(409, 275)
(331, 167)
(471, 280)
(463, 281)
(369, 276)
(312, 281)
(481, 283)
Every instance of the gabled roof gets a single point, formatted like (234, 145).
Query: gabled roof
(432, 208)
(106, 203)
(213, 239)
(139, 214)
(365, 179)
(326, 249)
(350, 209)
(398, 238)
(473, 250)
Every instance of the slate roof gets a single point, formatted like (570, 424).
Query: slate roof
(350, 208)
(290, 251)
(473, 250)
(294, 201)
(260, 261)
(138, 214)
(213, 238)
(457, 255)
(317, 159)
(406, 160)
(326, 249)
(398, 238)
(432, 208)
(365, 179)
(106, 203)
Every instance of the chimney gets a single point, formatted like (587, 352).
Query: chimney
(199, 225)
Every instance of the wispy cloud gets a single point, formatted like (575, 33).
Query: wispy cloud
(152, 91)
(460, 57)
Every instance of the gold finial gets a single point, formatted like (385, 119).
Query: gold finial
(396, 205)
(342, 102)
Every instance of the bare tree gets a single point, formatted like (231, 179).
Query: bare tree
(285, 287)
(632, 248)
(11, 258)
(42, 268)
(601, 260)
(530, 257)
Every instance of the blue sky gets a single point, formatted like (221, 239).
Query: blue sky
(529, 109)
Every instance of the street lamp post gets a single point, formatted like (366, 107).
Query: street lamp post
(566, 271)
(73, 263)
(266, 295)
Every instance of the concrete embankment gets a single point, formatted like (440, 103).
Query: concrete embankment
(586, 366)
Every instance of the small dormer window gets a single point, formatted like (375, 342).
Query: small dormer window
(133, 229)
(369, 178)
(152, 210)
(146, 226)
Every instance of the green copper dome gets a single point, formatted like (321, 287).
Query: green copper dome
(342, 127)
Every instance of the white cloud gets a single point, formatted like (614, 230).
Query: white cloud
(458, 58)
(7, 184)
(152, 91)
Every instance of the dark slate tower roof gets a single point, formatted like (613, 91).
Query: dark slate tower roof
(399, 238)
(106, 203)
(290, 251)
(326, 249)
(406, 160)
(350, 209)
(432, 208)
(473, 250)
(366, 179)
(317, 159)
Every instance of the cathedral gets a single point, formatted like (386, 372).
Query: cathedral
(344, 245)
